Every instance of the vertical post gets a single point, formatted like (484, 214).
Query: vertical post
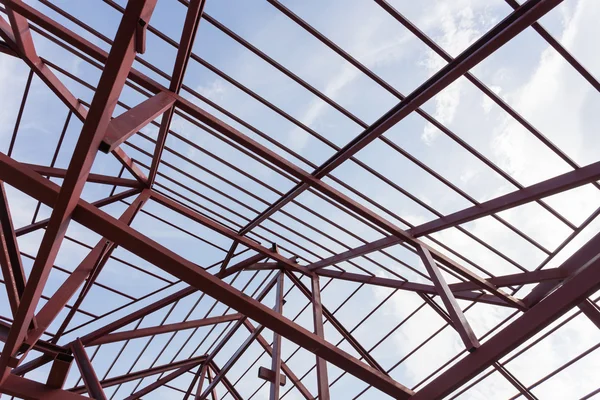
(201, 377)
(276, 355)
(322, 379)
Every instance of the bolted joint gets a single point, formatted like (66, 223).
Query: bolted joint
(140, 36)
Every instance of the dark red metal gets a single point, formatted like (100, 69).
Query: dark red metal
(88, 374)
(322, 379)
(459, 321)
(138, 333)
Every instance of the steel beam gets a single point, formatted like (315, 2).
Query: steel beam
(338, 326)
(459, 321)
(584, 280)
(223, 273)
(94, 178)
(160, 382)
(88, 374)
(188, 34)
(10, 257)
(132, 376)
(558, 184)
(231, 388)
(409, 286)
(322, 379)
(99, 203)
(127, 124)
(59, 371)
(156, 330)
(276, 353)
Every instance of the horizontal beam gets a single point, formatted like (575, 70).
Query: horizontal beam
(410, 286)
(94, 178)
(157, 330)
(33, 184)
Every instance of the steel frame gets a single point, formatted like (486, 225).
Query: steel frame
(557, 290)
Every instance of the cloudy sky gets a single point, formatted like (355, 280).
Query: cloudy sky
(526, 74)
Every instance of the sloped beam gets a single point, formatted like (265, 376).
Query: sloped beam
(231, 388)
(188, 34)
(160, 382)
(132, 376)
(10, 258)
(558, 184)
(584, 281)
(459, 321)
(99, 203)
(232, 360)
(88, 374)
(338, 326)
(127, 124)
(157, 330)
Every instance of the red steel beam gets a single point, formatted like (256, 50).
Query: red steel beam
(89, 268)
(591, 310)
(111, 83)
(127, 124)
(132, 376)
(459, 321)
(88, 374)
(24, 388)
(276, 353)
(409, 286)
(59, 371)
(584, 281)
(558, 184)
(178, 326)
(188, 34)
(94, 178)
(160, 382)
(213, 393)
(322, 379)
(223, 273)
(10, 257)
(193, 110)
(99, 203)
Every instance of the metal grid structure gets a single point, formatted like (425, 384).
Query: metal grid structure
(279, 280)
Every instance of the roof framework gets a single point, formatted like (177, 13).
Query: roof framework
(278, 255)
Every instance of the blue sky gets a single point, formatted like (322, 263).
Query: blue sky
(526, 73)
